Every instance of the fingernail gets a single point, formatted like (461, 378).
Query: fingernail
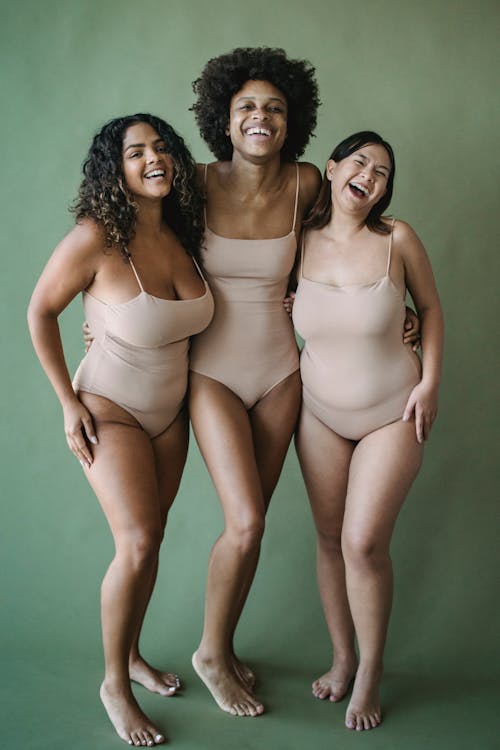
(405, 419)
(83, 464)
(159, 738)
(93, 440)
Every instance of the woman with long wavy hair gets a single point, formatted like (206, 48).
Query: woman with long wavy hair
(133, 254)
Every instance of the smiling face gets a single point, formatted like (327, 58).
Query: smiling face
(147, 166)
(359, 181)
(257, 120)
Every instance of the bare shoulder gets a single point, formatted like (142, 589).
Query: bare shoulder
(407, 243)
(310, 183)
(87, 237)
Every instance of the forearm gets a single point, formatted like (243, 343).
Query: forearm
(432, 332)
(46, 338)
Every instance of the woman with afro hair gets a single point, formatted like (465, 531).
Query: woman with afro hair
(256, 109)
(132, 253)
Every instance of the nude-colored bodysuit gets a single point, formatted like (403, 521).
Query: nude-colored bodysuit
(356, 372)
(250, 345)
(139, 356)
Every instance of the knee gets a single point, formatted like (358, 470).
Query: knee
(364, 551)
(247, 534)
(139, 548)
(329, 539)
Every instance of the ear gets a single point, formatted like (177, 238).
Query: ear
(330, 168)
(227, 131)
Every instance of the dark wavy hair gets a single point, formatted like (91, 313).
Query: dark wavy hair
(223, 76)
(320, 214)
(105, 197)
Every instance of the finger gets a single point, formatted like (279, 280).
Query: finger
(82, 451)
(408, 410)
(419, 424)
(78, 453)
(88, 428)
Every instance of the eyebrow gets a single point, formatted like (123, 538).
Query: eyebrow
(142, 145)
(271, 98)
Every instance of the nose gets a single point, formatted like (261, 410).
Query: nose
(367, 173)
(260, 114)
(151, 156)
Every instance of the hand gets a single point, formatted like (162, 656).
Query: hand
(87, 336)
(423, 403)
(288, 302)
(411, 329)
(79, 431)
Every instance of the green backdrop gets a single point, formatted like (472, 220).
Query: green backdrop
(424, 75)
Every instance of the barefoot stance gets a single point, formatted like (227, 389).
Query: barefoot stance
(334, 684)
(364, 711)
(131, 724)
(227, 690)
(164, 683)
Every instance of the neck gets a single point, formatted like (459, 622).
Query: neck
(149, 217)
(251, 177)
(344, 225)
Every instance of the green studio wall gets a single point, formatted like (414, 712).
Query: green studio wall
(424, 75)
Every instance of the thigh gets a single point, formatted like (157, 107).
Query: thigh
(123, 473)
(170, 452)
(223, 432)
(273, 420)
(324, 459)
(383, 467)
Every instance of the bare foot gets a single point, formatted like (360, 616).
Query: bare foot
(243, 672)
(334, 684)
(226, 689)
(364, 711)
(164, 683)
(131, 724)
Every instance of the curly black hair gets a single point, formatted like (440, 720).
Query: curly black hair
(321, 212)
(223, 76)
(104, 196)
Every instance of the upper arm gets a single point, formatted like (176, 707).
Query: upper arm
(70, 269)
(310, 183)
(419, 278)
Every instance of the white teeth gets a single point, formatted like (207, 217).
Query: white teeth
(258, 131)
(155, 173)
(360, 187)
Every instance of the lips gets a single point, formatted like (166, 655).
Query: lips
(155, 173)
(258, 131)
(358, 189)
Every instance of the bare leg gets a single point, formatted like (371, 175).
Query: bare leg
(273, 421)
(170, 450)
(223, 432)
(324, 458)
(383, 467)
(123, 476)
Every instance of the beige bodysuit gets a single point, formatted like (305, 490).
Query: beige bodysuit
(139, 356)
(250, 345)
(356, 372)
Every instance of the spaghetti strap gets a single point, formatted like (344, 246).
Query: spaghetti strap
(390, 248)
(135, 273)
(198, 269)
(297, 183)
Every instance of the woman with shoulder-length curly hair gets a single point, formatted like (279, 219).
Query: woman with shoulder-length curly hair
(256, 109)
(132, 253)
